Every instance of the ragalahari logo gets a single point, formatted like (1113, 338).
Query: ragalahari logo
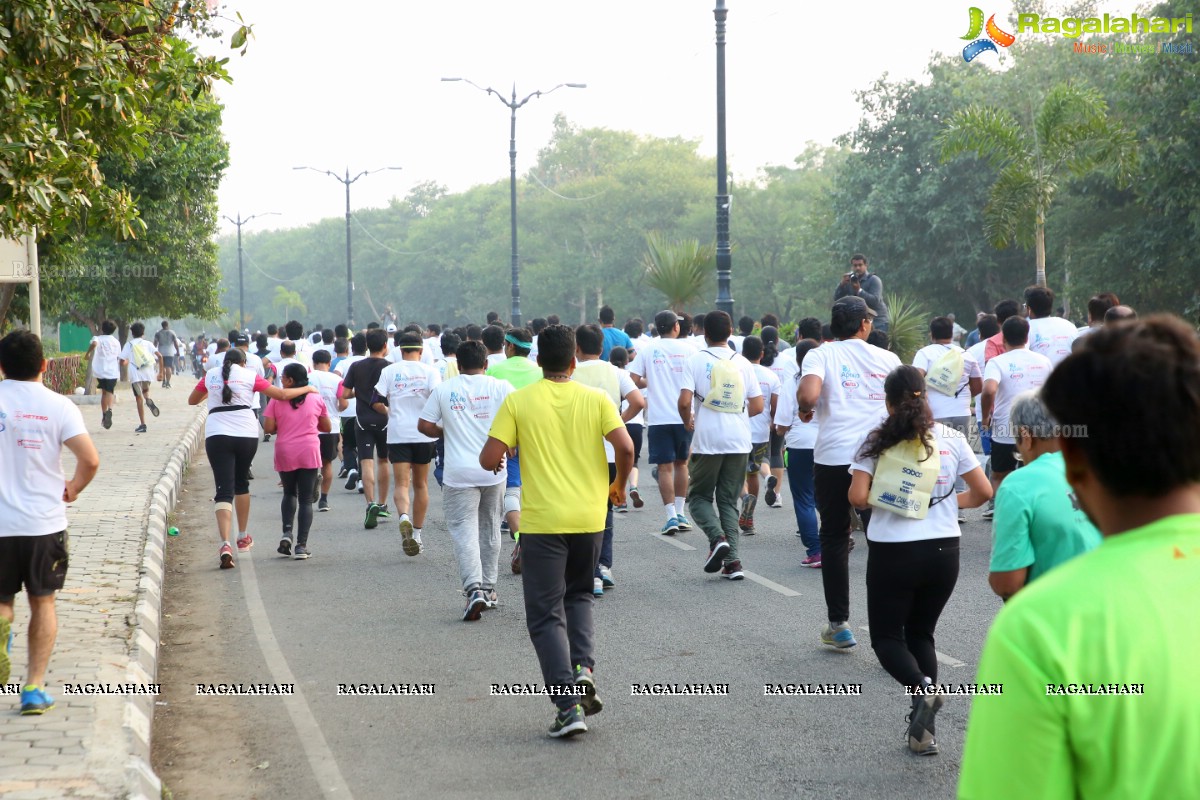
(995, 36)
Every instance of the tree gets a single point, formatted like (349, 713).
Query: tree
(287, 299)
(83, 81)
(1070, 135)
(681, 270)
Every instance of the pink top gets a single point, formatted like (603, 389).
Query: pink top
(296, 442)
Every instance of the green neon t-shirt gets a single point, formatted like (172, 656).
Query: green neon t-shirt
(1121, 618)
(1037, 524)
(519, 371)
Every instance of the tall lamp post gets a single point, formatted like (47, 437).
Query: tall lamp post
(349, 270)
(239, 222)
(513, 105)
(724, 259)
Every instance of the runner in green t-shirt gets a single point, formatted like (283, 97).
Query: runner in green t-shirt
(1098, 659)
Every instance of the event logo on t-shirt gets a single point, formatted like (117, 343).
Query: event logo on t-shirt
(3, 417)
(850, 379)
(457, 401)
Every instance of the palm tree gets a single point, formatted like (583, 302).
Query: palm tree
(287, 299)
(680, 269)
(1070, 136)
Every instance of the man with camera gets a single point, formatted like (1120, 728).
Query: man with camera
(858, 282)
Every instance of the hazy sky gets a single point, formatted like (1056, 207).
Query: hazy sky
(357, 83)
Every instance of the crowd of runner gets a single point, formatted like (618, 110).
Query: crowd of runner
(539, 433)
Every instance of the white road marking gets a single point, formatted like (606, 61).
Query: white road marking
(316, 749)
(949, 661)
(772, 585)
(672, 540)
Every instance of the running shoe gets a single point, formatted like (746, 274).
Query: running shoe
(6, 637)
(607, 576)
(35, 700)
(351, 479)
(153, 408)
(408, 542)
(569, 722)
(746, 518)
(684, 525)
(772, 495)
(140, 428)
(244, 543)
(813, 561)
(961, 518)
(621, 509)
(266, 437)
(990, 510)
(489, 594)
(476, 603)
(516, 559)
(343, 472)
(840, 636)
(301, 553)
(106, 419)
(716, 555)
(226, 556)
(360, 487)
(372, 517)
(636, 497)
(504, 527)
(598, 587)
(588, 701)
(383, 511)
(733, 571)
(323, 504)
(921, 723)
(672, 527)
(285, 546)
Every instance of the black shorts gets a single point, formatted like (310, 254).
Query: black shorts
(39, 563)
(776, 451)
(635, 433)
(668, 443)
(410, 452)
(106, 384)
(371, 443)
(758, 456)
(329, 446)
(1003, 457)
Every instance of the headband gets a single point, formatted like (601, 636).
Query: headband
(412, 347)
(515, 342)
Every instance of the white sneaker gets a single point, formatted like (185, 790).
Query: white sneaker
(606, 578)
(598, 587)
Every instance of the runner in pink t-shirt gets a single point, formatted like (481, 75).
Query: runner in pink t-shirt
(297, 424)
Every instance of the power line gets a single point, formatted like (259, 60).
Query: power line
(562, 197)
(384, 246)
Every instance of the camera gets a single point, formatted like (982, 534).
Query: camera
(853, 276)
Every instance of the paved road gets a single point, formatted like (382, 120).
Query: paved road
(361, 612)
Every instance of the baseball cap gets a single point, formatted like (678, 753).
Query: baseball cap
(241, 339)
(391, 328)
(853, 307)
(665, 320)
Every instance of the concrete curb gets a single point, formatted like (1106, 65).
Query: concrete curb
(138, 714)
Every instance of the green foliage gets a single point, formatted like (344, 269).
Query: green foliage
(84, 81)
(908, 325)
(286, 301)
(680, 269)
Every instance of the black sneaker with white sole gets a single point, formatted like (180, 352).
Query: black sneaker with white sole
(569, 722)
(351, 479)
(716, 555)
(588, 701)
(921, 724)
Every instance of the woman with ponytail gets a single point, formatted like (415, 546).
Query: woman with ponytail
(906, 470)
(231, 440)
(298, 423)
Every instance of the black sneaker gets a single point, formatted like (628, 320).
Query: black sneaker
(323, 504)
(383, 511)
(153, 408)
(733, 571)
(588, 701)
(106, 419)
(569, 722)
(716, 555)
(772, 495)
(372, 518)
(351, 479)
(476, 603)
(266, 437)
(285, 545)
(343, 472)
(140, 428)
(920, 724)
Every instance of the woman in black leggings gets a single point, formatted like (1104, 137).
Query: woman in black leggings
(231, 440)
(912, 564)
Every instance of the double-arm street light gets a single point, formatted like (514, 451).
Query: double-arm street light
(239, 222)
(347, 180)
(513, 105)
(724, 258)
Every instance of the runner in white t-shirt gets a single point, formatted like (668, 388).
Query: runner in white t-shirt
(1049, 335)
(842, 382)
(461, 410)
(784, 366)
(143, 363)
(760, 431)
(799, 439)
(1007, 375)
(658, 370)
(105, 352)
(722, 442)
(35, 425)
(405, 386)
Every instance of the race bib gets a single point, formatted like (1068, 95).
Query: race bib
(903, 483)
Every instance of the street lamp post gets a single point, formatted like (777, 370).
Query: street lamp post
(239, 222)
(513, 105)
(347, 180)
(724, 258)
